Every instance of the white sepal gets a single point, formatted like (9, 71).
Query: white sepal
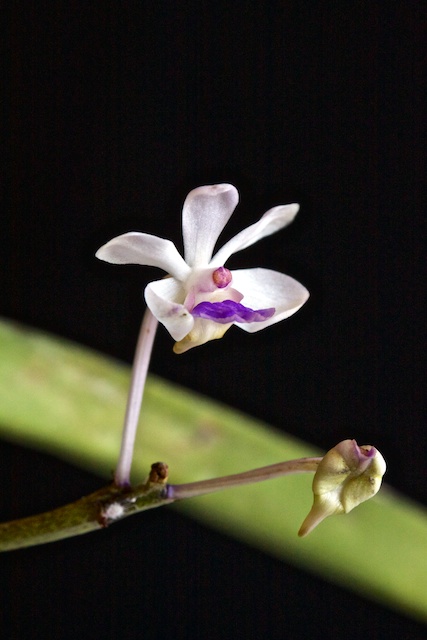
(205, 213)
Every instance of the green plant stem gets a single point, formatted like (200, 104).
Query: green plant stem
(91, 513)
(112, 503)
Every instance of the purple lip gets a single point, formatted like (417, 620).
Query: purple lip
(230, 311)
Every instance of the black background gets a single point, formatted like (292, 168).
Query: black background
(115, 111)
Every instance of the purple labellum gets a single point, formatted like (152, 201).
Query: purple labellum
(230, 311)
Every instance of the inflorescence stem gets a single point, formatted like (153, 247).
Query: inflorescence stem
(139, 375)
(113, 503)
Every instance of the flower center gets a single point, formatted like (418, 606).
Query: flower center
(221, 277)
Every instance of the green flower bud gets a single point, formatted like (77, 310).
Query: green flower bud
(346, 476)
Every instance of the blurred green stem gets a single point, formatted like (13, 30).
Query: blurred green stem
(69, 401)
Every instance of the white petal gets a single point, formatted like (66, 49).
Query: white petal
(273, 220)
(205, 213)
(145, 249)
(264, 288)
(164, 298)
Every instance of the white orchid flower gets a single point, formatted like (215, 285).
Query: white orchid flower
(201, 299)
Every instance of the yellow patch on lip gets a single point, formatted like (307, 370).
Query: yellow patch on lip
(203, 331)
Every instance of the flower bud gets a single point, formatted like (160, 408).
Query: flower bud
(346, 476)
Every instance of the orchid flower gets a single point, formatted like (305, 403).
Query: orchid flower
(346, 476)
(201, 299)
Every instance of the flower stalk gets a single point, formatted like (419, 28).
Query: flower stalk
(193, 489)
(136, 391)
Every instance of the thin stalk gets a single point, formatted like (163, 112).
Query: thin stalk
(141, 361)
(193, 489)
